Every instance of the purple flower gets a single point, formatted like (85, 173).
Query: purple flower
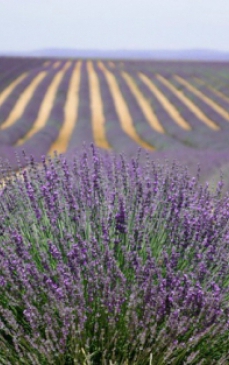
(113, 259)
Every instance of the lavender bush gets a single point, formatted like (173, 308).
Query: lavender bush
(112, 262)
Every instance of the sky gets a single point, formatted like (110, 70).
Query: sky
(28, 25)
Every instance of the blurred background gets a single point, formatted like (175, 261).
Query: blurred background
(123, 75)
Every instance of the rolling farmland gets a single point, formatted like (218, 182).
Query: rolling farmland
(101, 260)
(170, 109)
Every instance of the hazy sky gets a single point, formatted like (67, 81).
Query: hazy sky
(27, 25)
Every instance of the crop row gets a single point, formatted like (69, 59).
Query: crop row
(57, 105)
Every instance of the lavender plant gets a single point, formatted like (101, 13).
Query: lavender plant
(107, 261)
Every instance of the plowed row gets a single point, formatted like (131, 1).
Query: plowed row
(55, 105)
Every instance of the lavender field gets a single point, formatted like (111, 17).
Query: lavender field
(113, 249)
(174, 110)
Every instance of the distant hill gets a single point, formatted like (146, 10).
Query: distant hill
(195, 54)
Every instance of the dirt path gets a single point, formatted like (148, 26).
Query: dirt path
(8, 90)
(70, 113)
(122, 108)
(96, 105)
(216, 92)
(46, 105)
(23, 101)
(56, 64)
(194, 109)
(47, 63)
(169, 107)
(143, 103)
(111, 64)
(224, 113)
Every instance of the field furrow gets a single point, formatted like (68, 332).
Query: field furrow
(168, 122)
(12, 99)
(111, 64)
(171, 110)
(6, 92)
(96, 105)
(219, 94)
(143, 104)
(46, 63)
(56, 64)
(224, 113)
(171, 128)
(82, 131)
(219, 97)
(215, 81)
(46, 136)
(46, 106)
(23, 100)
(11, 69)
(122, 108)
(194, 109)
(49, 105)
(18, 130)
(70, 113)
(116, 136)
(144, 130)
(175, 135)
(204, 107)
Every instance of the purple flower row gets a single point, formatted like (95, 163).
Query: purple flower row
(40, 143)
(116, 137)
(11, 68)
(10, 102)
(13, 133)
